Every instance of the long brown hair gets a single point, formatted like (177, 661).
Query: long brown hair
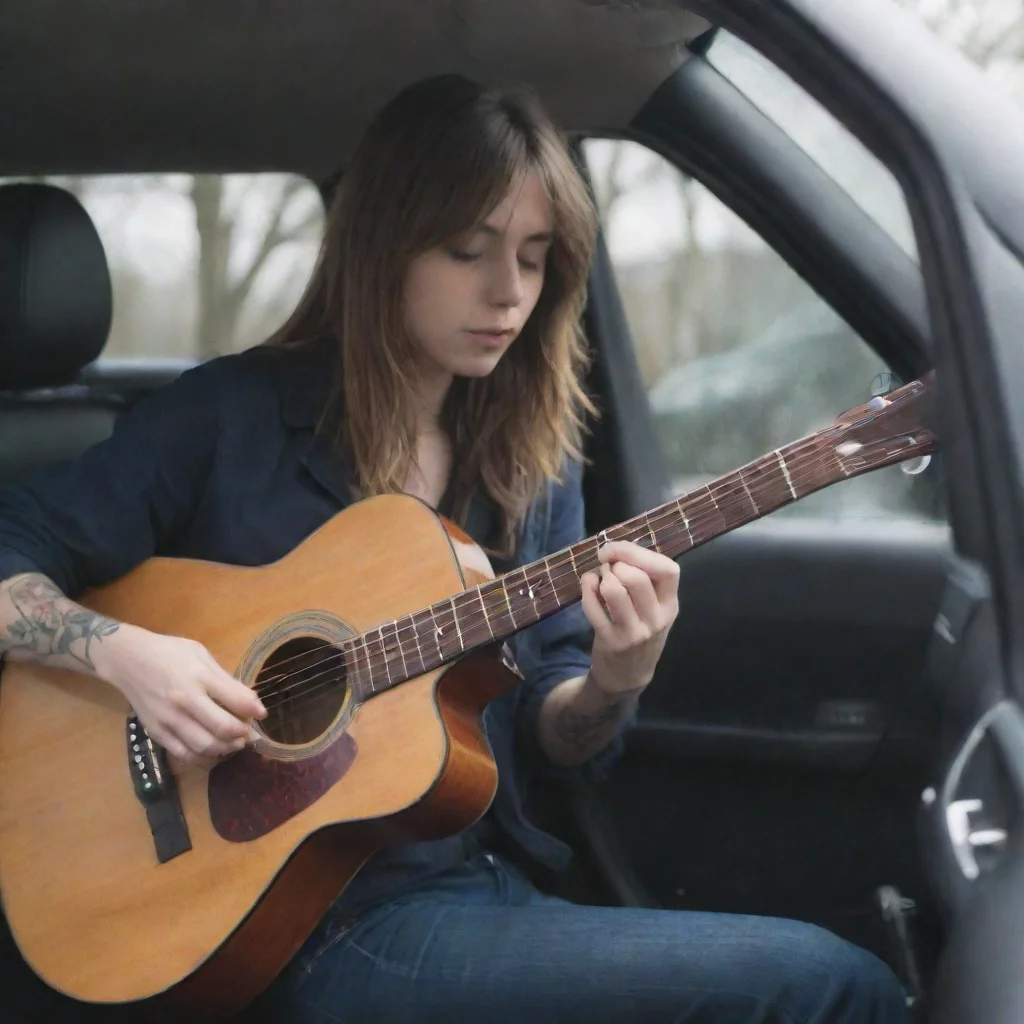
(434, 163)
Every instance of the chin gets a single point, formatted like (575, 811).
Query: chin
(478, 367)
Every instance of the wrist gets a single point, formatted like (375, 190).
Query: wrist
(600, 691)
(110, 654)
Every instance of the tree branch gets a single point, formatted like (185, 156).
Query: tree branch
(272, 238)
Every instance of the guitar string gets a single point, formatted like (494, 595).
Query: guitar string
(670, 510)
(815, 442)
(796, 465)
(474, 634)
(372, 662)
(734, 499)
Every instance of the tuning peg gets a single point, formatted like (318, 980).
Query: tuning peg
(881, 387)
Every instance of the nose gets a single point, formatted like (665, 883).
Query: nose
(505, 283)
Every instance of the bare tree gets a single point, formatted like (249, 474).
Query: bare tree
(221, 296)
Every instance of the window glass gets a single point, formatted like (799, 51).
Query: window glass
(839, 153)
(738, 354)
(201, 264)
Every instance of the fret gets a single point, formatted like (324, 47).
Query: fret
(384, 652)
(417, 627)
(524, 591)
(765, 478)
(496, 608)
(401, 648)
(653, 535)
(623, 531)
(437, 633)
(513, 593)
(475, 629)
(458, 627)
(724, 505)
(686, 519)
(532, 589)
(581, 555)
(750, 497)
(508, 601)
(362, 664)
(443, 619)
(785, 473)
(551, 581)
(702, 512)
(572, 560)
(565, 584)
(483, 608)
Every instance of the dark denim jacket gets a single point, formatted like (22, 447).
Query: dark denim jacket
(224, 464)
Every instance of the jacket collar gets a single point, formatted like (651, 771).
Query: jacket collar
(305, 386)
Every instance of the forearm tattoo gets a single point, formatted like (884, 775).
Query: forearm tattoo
(581, 729)
(49, 623)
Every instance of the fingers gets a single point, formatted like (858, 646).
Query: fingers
(179, 749)
(662, 571)
(640, 590)
(233, 695)
(200, 747)
(219, 723)
(209, 718)
(215, 723)
(610, 610)
(593, 606)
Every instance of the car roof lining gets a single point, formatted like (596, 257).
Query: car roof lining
(118, 86)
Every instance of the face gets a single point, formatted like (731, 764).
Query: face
(466, 303)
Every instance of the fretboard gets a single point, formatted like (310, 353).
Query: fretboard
(493, 611)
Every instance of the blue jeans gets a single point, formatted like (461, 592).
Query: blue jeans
(480, 943)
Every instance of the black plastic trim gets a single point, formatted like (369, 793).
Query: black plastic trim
(709, 129)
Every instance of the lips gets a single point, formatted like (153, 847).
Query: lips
(493, 340)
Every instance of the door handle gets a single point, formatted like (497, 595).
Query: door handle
(965, 840)
(1002, 725)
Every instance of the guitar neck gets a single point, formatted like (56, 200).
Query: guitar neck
(494, 611)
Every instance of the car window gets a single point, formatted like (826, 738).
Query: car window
(201, 264)
(817, 132)
(738, 354)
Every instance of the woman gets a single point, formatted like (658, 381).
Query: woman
(436, 351)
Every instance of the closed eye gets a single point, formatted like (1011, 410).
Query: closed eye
(462, 256)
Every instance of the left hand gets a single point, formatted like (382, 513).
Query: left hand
(631, 602)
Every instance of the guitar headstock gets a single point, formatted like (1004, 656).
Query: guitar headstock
(889, 429)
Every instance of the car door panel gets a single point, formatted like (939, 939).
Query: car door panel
(780, 751)
(803, 642)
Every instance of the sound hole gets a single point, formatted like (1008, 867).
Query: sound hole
(303, 686)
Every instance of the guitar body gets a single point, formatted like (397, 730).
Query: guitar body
(93, 910)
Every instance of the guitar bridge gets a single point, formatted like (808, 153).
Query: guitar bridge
(157, 791)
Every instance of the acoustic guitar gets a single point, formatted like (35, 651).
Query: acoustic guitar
(375, 646)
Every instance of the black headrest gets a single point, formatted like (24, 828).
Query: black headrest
(55, 301)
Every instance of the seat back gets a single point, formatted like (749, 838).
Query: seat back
(55, 313)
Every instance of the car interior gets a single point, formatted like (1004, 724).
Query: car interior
(802, 702)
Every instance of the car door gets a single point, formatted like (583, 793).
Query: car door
(804, 691)
(745, 295)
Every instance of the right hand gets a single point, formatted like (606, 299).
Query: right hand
(187, 703)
